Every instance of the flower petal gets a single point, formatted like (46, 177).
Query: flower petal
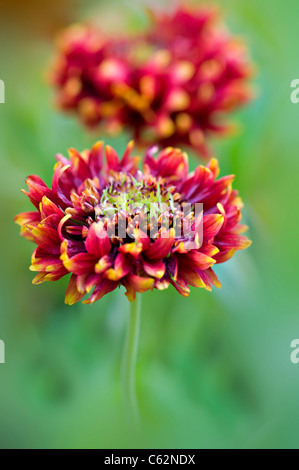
(37, 189)
(48, 207)
(192, 277)
(162, 246)
(97, 242)
(46, 237)
(196, 260)
(82, 263)
(103, 264)
(181, 286)
(100, 290)
(232, 241)
(133, 249)
(154, 268)
(211, 225)
(134, 283)
(96, 159)
(73, 294)
(171, 163)
(120, 269)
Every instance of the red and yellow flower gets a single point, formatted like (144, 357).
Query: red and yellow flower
(174, 85)
(93, 223)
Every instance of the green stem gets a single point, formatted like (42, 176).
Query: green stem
(129, 366)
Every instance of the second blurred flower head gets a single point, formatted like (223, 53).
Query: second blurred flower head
(173, 85)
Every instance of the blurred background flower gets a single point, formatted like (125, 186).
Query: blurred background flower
(213, 370)
(172, 85)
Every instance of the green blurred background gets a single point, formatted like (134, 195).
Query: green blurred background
(213, 370)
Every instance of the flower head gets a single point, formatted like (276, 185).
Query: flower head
(173, 85)
(109, 223)
(206, 74)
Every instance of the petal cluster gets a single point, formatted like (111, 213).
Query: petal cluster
(90, 223)
(173, 85)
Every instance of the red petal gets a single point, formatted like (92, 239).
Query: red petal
(211, 225)
(62, 183)
(213, 278)
(79, 165)
(32, 218)
(129, 164)
(209, 250)
(140, 284)
(162, 246)
(133, 249)
(142, 238)
(61, 224)
(25, 218)
(172, 267)
(154, 268)
(196, 260)
(134, 283)
(229, 241)
(81, 283)
(91, 281)
(97, 242)
(96, 159)
(223, 256)
(120, 269)
(214, 167)
(161, 284)
(180, 286)
(100, 290)
(192, 277)
(103, 264)
(82, 263)
(112, 158)
(171, 163)
(47, 207)
(37, 189)
(46, 237)
(72, 294)
(43, 276)
(47, 263)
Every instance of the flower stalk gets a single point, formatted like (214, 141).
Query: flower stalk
(129, 364)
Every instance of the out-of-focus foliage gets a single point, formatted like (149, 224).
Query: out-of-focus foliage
(213, 370)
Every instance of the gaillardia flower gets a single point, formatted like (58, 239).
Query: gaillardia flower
(199, 73)
(173, 85)
(109, 224)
